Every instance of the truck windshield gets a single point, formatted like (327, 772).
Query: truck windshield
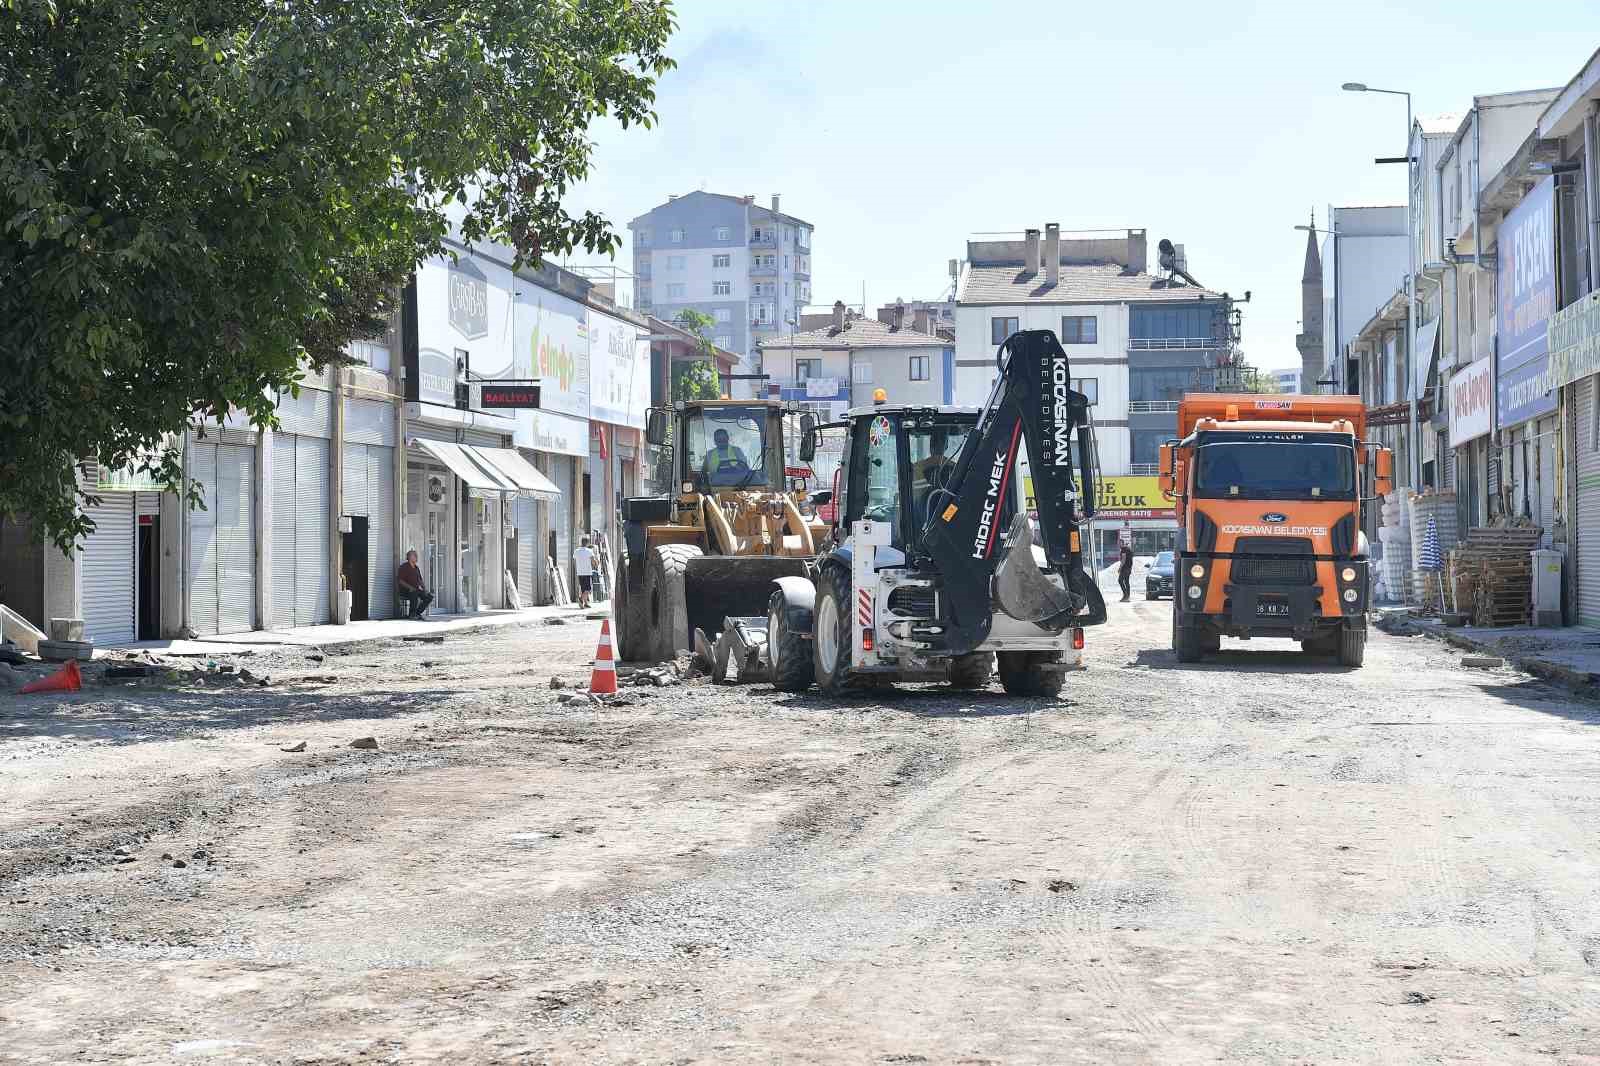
(1287, 467)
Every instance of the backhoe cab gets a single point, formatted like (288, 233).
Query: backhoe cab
(931, 568)
(723, 524)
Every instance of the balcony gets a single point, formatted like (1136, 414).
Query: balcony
(1153, 407)
(765, 240)
(1168, 343)
(1144, 469)
(758, 268)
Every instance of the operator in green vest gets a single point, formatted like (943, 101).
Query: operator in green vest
(724, 456)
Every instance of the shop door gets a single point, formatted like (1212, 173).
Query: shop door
(1586, 450)
(109, 566)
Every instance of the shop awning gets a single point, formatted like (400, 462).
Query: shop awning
(509, 463)
(477, 473)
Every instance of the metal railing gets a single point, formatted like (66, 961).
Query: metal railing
(1152, 407)
(1150, 343)
(1144, 469)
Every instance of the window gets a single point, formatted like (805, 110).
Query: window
(721, 262)
(756, 234)
(786, 262)
(805, 369)
(788, 235)
(1152, 383)
(1000, 329)
(724, 233)
(722, 314)
(1090, 387)
(1172, 325)
(675, 290)
(644, 238)
(721, 288)
(675, 262)
(373, 353)
(862, 374)
(1079, 329)
(676, 236)
(805, 237)
(644, 294)
(763, 313)
(919, 368)
(723, 341)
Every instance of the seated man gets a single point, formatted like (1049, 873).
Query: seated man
(725, 459)
(412, 591)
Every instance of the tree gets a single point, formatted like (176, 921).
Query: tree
(199, 199)
(697, 380)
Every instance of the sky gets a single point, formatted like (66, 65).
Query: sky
(899, 128)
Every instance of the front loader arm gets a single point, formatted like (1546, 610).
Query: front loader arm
(1032, 404)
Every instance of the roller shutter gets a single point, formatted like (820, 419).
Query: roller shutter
(108, 569)
(1587, 516)
(1545, 475)
(236, 567)
(527, 523)
(203, 540)
(380, 531)
(302, 587)
(561, 474)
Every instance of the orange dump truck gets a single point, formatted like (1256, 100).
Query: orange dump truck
(1268, 492)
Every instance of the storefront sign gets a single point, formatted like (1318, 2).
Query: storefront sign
(1526, 282)
(469, 299)
(1575, 340)
(1121, 497)
(619, 370)
(1472, 394)
(552, 345)
(127, 479)
(463, 314)
(560, 434)
(508, 397)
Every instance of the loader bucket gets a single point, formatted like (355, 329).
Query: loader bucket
(718, 586)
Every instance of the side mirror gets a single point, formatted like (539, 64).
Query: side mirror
(822, 498)
(1383, 482)
(655, 426)
(808, 422)
(1166, 471)
(808, 439)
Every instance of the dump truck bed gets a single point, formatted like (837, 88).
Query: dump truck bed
(1253, 407)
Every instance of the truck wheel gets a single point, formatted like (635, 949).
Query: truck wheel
(667, 610)
(1352, 647)
(792, 668)
(1186, 642)
(830, 638)
(633, 626)
(1022, 673)
(971, 671)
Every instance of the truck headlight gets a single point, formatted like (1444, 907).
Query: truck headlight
(1348, 574)
(1350, 595)
(1194, 592)
(1197, 570)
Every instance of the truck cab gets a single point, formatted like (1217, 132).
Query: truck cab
(1269, 492)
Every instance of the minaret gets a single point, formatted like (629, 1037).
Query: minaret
(1309, 341)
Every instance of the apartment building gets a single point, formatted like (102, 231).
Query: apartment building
(746, 265)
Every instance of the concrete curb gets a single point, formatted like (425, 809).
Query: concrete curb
(1579, 682)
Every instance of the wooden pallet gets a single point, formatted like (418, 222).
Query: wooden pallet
(1491, 574)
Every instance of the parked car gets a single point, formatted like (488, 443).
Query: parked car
(1158, 579)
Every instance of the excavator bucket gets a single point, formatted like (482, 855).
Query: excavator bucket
(716, 587)
(1021, 587)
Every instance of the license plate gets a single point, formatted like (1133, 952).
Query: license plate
(1272, 608)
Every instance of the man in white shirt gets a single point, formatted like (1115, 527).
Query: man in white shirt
(583, 565)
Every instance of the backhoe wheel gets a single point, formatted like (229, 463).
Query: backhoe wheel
(792, 668)
(831, 633)
(1352, 647)
(631, 607)
(971, 671)
(1023, 673)
(667, 610)
(1186, 643)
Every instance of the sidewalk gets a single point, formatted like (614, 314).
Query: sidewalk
(354, 632)
(1568, 656)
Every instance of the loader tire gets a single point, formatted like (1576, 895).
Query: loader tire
(1352, 647)
(971, 671)
(831, 634)
(633, 623)
(1022, 673)
(792, 668)
(667, 610)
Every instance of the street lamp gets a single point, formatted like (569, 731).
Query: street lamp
(1411, 273)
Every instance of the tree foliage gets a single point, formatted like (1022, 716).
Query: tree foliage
(697, 380)
(201, 198)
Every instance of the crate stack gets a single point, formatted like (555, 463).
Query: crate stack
(1427, 585)
(1395, 536)
(1491, 575)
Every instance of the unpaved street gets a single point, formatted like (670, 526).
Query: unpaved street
(1260, 859)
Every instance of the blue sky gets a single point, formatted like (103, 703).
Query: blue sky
(899, 128)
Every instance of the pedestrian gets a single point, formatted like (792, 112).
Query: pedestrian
(412, 590)
(583, 565)
(1125, 569)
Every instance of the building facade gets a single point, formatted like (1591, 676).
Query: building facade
(747, 266)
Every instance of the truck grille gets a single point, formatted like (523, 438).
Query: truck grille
(912, 602)
(1273, 571)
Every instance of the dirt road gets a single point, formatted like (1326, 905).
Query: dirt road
(1260, 859)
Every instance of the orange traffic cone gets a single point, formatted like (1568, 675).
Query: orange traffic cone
(604, 679)
(67, 679)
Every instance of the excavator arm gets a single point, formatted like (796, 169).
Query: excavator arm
(981, 565)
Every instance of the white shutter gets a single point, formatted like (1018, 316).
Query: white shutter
(108, 568)
(235, 518)
(285, 501)
(203, 547)
(312, 535)
(382, 559)
(527, 534)
(1587, 516)
(561, 473)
